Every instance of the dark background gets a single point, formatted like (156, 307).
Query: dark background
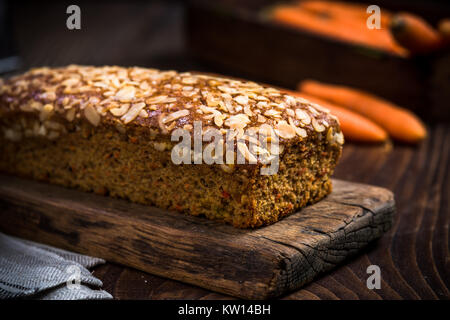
(413, 257)
(144, 33)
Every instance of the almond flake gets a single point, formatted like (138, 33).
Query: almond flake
(175, 115)
(248, 111)
(290, 112)
(318, 127)
(48, 108)
(126, 93)
(272, 113)
(70, 115)
(303, 116)
(91, 114)
(118, 112)
(133, 112)
(242, 100)
(143, 114)
(301, 132)
(242, 147)
(189, 80)
(218, 120)
(285, 130)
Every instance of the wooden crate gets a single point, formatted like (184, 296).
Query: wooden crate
(235, 36)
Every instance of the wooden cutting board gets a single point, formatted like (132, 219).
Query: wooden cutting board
(251, 264)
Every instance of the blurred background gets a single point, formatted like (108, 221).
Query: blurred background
(252, 39)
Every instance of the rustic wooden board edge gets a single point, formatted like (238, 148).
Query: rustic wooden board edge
(270, 263)
(375, 217)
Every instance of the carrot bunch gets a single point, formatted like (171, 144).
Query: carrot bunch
(344, 21)
(364, 117)
(401, 34)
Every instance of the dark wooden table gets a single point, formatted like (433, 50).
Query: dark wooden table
(413, 257)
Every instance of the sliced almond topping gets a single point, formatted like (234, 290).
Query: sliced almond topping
(300, 114)
(237, 121)
(206, 109)
(301, 132)
(126, 93)
(48, 108)
(320, 108)
(313, 110)
(189, 80)
(208, 117)
(339, 138)
(218, 120)
(175, 115)
(118, 112)
(251, 139)
(242, 100)
(318, 127)
(262, 98)
(259, 150)
(157, 99)
(262, 104)
(291, 101)
(285, 130)
(266, 130)
(248, 111)
(227, 89)
(261, 119)
(303, 116)
(70, 115)
(211, 101)
(70, 82)
(242, 147)
(45, 112)
(91, 114)
(272, 113)
(144, 85)
(143, 114)
(290, 112)
(133, 112)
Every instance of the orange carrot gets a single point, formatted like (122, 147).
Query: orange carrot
(414, 33)
(349, 11)
(354, 126)
(444, 30)
(302, 19)
(334, 26)
(400, 123)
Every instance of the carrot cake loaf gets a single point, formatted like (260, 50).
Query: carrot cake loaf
(230, 150)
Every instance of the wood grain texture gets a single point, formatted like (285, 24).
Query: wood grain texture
(253, 264)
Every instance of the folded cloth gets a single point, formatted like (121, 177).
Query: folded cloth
(37, 271)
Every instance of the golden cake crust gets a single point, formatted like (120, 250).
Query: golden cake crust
(160, 100)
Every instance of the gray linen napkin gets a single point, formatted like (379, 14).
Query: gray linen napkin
(37, 271)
